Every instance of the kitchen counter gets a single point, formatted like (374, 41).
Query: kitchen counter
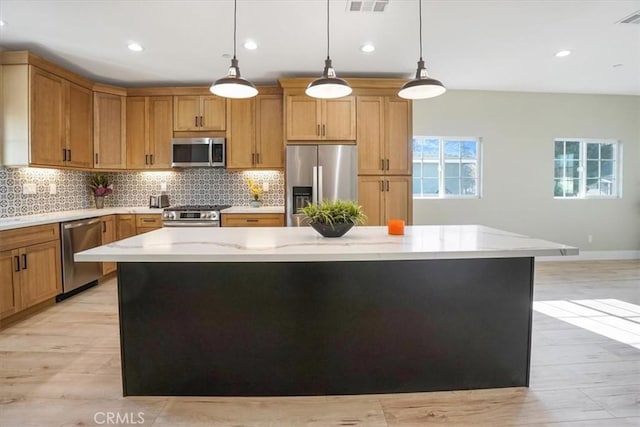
(283, 311)
(298, 244)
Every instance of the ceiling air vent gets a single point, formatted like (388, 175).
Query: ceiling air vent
(367, 5)
(634, 18)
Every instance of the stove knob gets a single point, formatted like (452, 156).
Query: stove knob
(206, 214)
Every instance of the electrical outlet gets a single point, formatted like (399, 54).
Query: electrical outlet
(53, 189)
(265, 187)
(590, 238)
(28, 189)
(163, 186)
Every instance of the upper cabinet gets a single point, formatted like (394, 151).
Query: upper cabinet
(310, 119)
(384, 135)
(149, 132)
(254, 133)
(47, 119)
(108, 131)
(198, 113)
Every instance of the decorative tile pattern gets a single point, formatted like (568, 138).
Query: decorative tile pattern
(188, 186)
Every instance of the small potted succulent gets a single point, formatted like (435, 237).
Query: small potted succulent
(334, 219)
(100, 187)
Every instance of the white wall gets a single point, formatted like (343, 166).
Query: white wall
(518, 131)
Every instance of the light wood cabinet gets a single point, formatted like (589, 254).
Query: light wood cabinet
(199, 112)
(148, 222)
(252, 220)
(109, 131)
(385, 197)
(254, 133)
(149, 132)
(125, 226)
(30, 270)
(108, 236)
(384, 135)
(79, 126)
(48, 145)
(310, 119)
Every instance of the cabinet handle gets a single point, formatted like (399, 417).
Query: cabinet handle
(318, 131)
(253, 158)
(324, 130)
(96, 158)
(252, 220)
(104, 227)
(24, 261)
(201, 122)
(151, 158)
(387, 185)
(196, 121)
(257, 158)
(17, 258)
(148, 220)
(387, 164)
(382, 164)
(146, 159)
(381, 186)
(64, 154)
(69, 156)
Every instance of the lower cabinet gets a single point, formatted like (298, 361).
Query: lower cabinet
(148, 222)
(252, 220)
(125, 226)
(385, 197)
(108, 236)
(30, 270)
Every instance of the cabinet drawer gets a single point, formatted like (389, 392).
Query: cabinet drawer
(252, 220)
(18, 237)
(148, 221)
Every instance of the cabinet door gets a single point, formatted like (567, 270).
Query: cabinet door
(241, 134)
(9, 283)
(213, 112)
(269, 141)
(398, 136)
(125, 226)
(79, 126)
(47, 119)
(303, 118)
(109, 144)
(137, 154)
(151, 221)
(40, 272)
(160, 131)
(370, 197)
(398, 199)
(339, 119)
(253, 220)
(108, 236)
(371, 137)
(186, 113)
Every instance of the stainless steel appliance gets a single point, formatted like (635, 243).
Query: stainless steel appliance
(192, 216)
(319, 172)
(78, 236)
(198, 152)
(160, 201)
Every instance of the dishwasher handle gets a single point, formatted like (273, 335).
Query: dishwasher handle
(81, 223)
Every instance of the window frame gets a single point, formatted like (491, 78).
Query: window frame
(582, 169)
(441, 162)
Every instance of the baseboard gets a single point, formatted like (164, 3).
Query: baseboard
(593, 256)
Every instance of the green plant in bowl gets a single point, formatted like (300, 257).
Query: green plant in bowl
(334, 219)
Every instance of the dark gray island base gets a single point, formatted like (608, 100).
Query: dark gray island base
(323, 328)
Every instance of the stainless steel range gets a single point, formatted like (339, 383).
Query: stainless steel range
(192, 216)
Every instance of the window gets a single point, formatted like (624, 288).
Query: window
(446, 167)
(586, 168)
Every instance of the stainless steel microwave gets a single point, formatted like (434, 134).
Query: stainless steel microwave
(198, 152)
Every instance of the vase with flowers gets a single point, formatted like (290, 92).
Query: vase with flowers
(256, 191)
(100, 187)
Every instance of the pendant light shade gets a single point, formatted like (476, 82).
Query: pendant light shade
(423, 86)
(233, 85)
(329, 85)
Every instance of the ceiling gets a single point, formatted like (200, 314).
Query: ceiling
(506, 45)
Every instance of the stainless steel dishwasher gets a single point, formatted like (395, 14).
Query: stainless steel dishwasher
(78, 236)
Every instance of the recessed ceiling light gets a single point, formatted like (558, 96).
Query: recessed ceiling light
(135, 47)
(617, 65)
(250, 45)
(2, 23)
(367, 48)
(226, 55)
(563, 53)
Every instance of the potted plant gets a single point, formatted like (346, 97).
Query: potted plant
(100, 187)
(334, 219)
(256, 191)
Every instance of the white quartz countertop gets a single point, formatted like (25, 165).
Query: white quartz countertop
(300, 244)
(250, 210)
(48, 218)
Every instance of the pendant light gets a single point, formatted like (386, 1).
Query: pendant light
(233, 85)
(423, 86)
(328, 86)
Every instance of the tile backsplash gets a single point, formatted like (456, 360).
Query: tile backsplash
(188, 186)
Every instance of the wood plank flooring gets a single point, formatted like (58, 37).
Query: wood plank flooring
(61, 367)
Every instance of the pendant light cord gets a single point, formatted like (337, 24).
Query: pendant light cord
(235, 16)
(327, 29)
(420, 29)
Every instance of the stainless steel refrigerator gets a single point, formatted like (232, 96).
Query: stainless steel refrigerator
(319, 172)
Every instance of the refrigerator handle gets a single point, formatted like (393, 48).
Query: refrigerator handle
(314, 186)
(320, 196)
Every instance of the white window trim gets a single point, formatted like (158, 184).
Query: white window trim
(582, 193)
(441, 161)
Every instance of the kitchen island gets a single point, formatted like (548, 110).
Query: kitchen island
(283, 311)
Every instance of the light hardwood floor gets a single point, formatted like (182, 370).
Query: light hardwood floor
(61, 367)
